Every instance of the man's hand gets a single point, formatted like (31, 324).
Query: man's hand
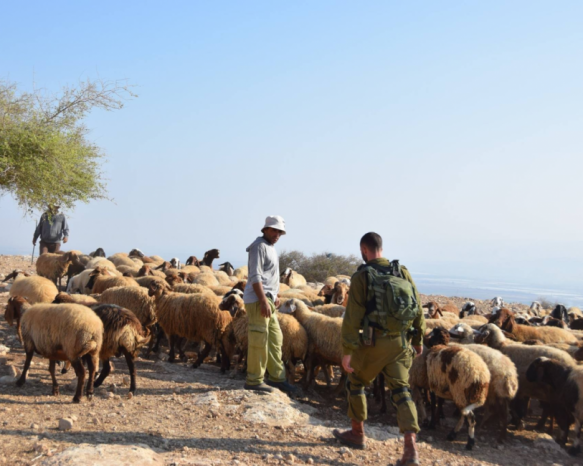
(418, 350)
(277, 302)
(265, 309)
(65, 239)
(346, 363)
(33, 242)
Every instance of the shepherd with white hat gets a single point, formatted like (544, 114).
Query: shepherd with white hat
(265, 337)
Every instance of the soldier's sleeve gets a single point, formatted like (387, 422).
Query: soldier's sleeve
(354, 314)
(419, 322)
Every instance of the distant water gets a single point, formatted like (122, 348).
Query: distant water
(488, 289)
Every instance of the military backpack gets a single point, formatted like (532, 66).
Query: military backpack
(391, 303)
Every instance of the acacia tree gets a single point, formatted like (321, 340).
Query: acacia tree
(45, 156)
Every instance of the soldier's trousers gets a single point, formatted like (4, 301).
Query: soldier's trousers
(264, 349)
(388, 357)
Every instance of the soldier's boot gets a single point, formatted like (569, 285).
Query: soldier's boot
(353, 438)
(410, 454)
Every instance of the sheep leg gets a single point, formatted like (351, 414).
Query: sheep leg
(576, 448)
(172, 343)
(503, 418)
(540, 425)
(181, 346)
(471, 430)
(341, 384)
(52, 364)
(433, 421)
(453, 434)
(105, 371)
(159, 336)
(203, 355)
(66, 367)
(22, 379)
(80, 372)
(225, 361)
(92, 364)
(131, 368)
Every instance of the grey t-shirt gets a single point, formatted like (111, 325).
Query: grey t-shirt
(52, 230)
(263, 268)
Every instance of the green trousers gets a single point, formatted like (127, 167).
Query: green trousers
(265, 340)
(388, 357)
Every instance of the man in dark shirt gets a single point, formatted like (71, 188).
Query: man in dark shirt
(52, 228)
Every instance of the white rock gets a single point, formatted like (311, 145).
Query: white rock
(7, 379)
(4, 349)
(106, 455)
(65, 423)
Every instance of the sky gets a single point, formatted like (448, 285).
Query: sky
(452, 128)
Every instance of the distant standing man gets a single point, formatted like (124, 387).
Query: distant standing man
(52, 228)
(382, 331)
(265, 337)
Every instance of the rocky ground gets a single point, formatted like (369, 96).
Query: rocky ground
(185, 416)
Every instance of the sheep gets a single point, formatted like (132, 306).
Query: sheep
(196, 317)
(174, 280)
(192, 260)
(505, 320)
(209, 257)
(78, 283)
(191, 288)
(522, 355)
(145, 281)
(458, 374)
(63, 298)
(498, 302)
(463, 333)
(99, 281)
(324, 336)
(175, 262)
(331, 310)
(503, 382)
(468, 309)
(220, 290)
(136, 299)
(123, 334)
(103, 263)
(435, 310)
(206, 279)
(566, 382)
(536, 308)
(222, 278)
(242, 273)
(75, 268)
(560, 313)
(228, 268)
(34, 289)
(340, 294)
(59, 332)
(292, 278)
(54, 266)
(99, 252)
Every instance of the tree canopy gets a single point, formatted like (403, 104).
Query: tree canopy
(45, 155)
(317, 267)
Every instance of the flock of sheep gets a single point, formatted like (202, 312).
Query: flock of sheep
(115, 306)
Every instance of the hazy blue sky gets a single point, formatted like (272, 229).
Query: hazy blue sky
(454, 129)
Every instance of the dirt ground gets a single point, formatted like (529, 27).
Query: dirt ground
(200, 417)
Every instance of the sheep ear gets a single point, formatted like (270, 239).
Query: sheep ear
(426, 305)
(293, 307)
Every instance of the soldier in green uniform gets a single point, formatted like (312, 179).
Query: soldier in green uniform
(376, 341)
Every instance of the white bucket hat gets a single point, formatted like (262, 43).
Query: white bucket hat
(275, 221)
